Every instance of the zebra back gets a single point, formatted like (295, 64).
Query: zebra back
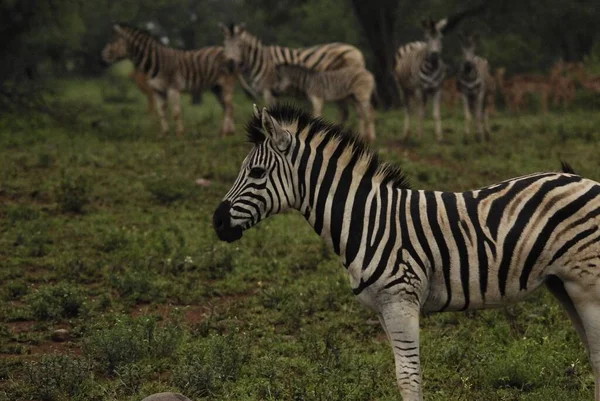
(182, 69)
(325, 57)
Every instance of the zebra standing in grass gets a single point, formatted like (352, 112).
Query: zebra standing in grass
(411, 251)
(477, 87)
(420, 73)
(259, 61)
(352, 83)
(171, 71)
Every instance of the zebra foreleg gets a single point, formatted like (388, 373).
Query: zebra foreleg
(407, 98)
(175, 104)
(401, 322)
(161, 109)
(226, 93)
(421, 101)
(479, 115)
(343, 107)
(437, 97)
(317, 104)
(467, 108)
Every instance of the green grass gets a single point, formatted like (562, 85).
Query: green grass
(103, 232)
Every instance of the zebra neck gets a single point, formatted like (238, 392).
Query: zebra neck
(342, 200)
(140, 52)
(258, 63)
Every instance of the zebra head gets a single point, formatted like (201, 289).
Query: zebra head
(468, 50)
(234, 42)
(264, 185)
(433, 37)
(116, 49)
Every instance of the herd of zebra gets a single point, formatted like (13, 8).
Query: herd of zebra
(333, 72)
(405, 251)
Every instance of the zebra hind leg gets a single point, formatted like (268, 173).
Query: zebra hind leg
(175, 103)
(343, 106)
(584, 291)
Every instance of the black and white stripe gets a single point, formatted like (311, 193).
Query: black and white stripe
(411, 251)
(259, 61)
(350, 83)
(477, 87)
(171, 71)
(420, 73)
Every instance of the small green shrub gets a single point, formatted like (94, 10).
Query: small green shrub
(129, 341)
(56, 302)
(15, 289)
(207, 368)
(73, 193)
(57, 377)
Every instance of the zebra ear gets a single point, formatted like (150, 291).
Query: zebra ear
(256, 111)
(241, 27)
(224, 28)
(279, 136)
(441, 24)
(117, 28)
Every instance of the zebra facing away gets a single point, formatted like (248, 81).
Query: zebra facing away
(477, 87)
(352, 83)
(420, 73)
(411, 251)
(171, 71)
(259, 61)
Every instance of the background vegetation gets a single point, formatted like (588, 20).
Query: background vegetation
(114, 286)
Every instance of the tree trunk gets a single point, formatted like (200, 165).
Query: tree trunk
(377, 19)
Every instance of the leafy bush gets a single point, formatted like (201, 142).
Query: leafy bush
(57, 377)
(130, 341)
(207, 368)
(56, 302)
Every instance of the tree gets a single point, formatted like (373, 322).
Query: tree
(378, 19)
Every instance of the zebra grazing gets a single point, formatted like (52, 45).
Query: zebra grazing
(411, 251)
(420, 74)
(353, 83)
(259, 61)
(171, 71)
(477, 87)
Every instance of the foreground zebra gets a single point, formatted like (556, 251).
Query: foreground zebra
(411, 251)
(477, 87)
(171, 71)
(352, 83)
(420, 74)
(260, 61)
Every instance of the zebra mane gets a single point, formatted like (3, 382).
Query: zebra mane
(287, 114)
(133, 30)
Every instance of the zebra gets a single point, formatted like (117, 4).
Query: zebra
(259, 61)
(420, 73)
(170, 71)
(353, 83)
(410, 251)
(477, 87)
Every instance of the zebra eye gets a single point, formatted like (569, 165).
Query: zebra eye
(257, 172)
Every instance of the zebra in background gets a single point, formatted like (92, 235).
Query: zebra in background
(411, 251)
(477, 87)
(170, 71)
(357, 84)
(259, 61)
(420, 73)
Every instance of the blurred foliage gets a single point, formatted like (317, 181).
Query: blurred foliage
(41, 38)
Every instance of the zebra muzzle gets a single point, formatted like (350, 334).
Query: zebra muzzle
(222, 223)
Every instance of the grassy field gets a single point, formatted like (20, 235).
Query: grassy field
(104, 233)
